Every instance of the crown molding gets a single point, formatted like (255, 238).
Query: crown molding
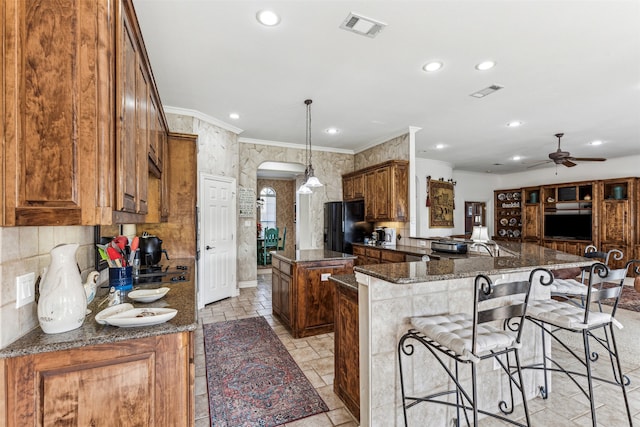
(201, 116)
(292, 145)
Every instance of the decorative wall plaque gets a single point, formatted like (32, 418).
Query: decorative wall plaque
(441, 204)
(247, 202)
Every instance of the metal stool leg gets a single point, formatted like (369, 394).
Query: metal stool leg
(622, 383)
(587, 360)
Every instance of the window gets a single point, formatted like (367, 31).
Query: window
(268, 208)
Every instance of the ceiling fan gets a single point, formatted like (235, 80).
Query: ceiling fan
(565, 158)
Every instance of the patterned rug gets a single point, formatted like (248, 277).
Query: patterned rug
(629, 299)
(252, 379)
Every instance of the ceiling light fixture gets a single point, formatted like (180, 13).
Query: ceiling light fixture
(332, 131)
(310, 180)
(514, 124)
(432, 66)
(234, 116)
(485, 65)
(439, 146)
(596, 142)
(516, 158)
(268, 18)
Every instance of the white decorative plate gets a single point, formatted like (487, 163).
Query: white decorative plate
(141, 317)
(147, 295)
(504, 221)
(110, 311)
(502, 232)
(501, 196)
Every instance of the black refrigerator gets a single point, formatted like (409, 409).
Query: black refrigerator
(344, 224)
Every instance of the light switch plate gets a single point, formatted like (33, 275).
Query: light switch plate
(422, 243)
(324, 277)
(25, 289)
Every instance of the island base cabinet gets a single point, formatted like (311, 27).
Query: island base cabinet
(303, 295)
(142, 382)
(346, 383)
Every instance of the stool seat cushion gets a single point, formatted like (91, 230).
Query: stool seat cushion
(454, 331)
(567, 315)
(568, 286)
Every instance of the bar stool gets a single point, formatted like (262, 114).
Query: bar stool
(575, 291)
(469, 339)
(554, 316)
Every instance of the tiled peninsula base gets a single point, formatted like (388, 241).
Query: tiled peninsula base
(385, 309)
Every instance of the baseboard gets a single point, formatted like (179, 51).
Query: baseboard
(248, 284)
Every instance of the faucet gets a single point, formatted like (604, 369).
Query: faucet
(482, 245)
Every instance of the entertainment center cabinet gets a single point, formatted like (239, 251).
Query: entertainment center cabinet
(570, 216)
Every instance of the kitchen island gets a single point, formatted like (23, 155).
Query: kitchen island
(390, 294)
(105, 375)
(303, 296)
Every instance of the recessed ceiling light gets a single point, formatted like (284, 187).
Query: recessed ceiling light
(440, 146)
(485, 65)
(234, 116)
(516, 158)
(596, 142)
(332, 131)
(514, 124)
(268, 18)
(432, 66)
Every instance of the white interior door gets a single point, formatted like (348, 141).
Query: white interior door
(218, 238)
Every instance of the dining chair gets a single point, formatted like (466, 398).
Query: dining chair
(270, 243)
(284, 238)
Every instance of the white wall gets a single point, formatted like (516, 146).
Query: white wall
(585, 171)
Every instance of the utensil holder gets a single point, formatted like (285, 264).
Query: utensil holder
(121, 278)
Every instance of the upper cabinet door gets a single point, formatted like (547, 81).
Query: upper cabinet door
(57, 105)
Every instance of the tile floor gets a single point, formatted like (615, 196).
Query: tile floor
(567, 407)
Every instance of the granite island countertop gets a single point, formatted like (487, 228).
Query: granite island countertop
(310, 255)
(182, 297)
(521, 257)
(346, 280)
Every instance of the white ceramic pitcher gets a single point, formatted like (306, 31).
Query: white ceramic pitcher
(63, 303)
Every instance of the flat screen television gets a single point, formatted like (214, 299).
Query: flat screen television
(567, 226)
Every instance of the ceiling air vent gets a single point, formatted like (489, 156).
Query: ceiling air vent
(362, 25)
(486, 91)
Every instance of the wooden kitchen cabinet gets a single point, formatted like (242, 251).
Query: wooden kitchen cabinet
(368, 255)
(281, 289)
(346, 382)
(142, 382)
(172, 198)
(353, 187)
(531, 217)
(384, 188)
(76, 89)
(310, 293)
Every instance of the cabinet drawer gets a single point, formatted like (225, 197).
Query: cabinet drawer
(391, 256)
(284, 267)
(358, 250)
(373, 253)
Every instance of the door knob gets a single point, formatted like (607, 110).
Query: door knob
(209, 247)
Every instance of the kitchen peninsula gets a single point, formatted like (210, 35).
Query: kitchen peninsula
(303, 296)
(390, 294)
(105, 375)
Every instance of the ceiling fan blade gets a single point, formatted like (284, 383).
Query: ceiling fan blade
(536, 164)
(589, 159)
(568, 163)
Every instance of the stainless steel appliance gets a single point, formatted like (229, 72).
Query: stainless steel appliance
(449, 246)
(389, 237)
(344, 225)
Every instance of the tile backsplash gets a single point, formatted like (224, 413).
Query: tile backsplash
(24, 250)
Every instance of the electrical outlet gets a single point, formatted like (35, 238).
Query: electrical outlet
(324, 277)
(422, 243)
(25, 289)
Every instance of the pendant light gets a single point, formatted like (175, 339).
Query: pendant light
(310, 180)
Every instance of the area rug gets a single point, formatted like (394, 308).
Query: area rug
(629, 299)
(252, 379)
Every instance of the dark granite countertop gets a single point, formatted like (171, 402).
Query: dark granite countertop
(411, 250)
(182, 297)
(522, 257)
(346, 280)
(310, 255)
